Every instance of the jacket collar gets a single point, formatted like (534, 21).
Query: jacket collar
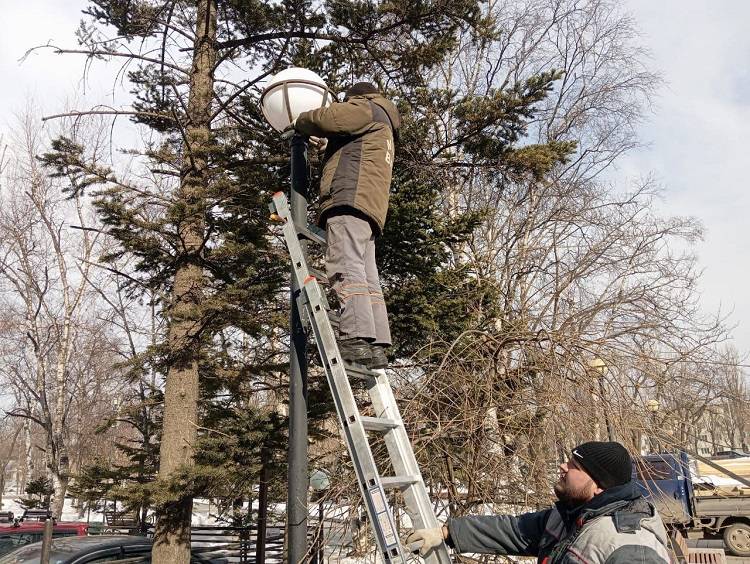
(605, 503)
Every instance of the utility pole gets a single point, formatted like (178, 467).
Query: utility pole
(297, 457)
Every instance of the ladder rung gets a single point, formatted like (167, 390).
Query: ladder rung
(314, 234)
(378, 423)
(398, 482)
(319, 275)
(359, 372)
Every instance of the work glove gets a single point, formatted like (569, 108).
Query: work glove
(289, 131)
(425, 540)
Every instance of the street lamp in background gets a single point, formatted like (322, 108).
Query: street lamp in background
(599, 368)
(319, 482)
(286, 95)
(652, 406)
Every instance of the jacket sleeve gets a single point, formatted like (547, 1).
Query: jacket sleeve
(499, 534)
(340, 118)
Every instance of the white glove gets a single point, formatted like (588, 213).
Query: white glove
(320, 143)
(425, 540)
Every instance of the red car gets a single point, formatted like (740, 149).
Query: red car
(14, 535)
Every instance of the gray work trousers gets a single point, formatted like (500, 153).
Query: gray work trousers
(350, 266)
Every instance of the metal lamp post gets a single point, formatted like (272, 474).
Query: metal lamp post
(287, 94)
(600, 369)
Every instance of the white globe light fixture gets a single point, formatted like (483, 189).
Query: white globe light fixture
(598, 365)
(320, 481)
(291, 92)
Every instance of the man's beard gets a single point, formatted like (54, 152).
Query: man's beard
(573, 497)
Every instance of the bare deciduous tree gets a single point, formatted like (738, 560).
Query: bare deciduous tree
(44, 271)
(585, 269)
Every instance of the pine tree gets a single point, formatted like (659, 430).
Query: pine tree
(40, 491)
(93, 484)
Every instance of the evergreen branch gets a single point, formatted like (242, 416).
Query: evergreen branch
(313, 158)
(164, 43)
(224, 104)
(117, 273)
(96, 53)
(164, 172)
(261, 37)
(447, 163)
(79, 113)
(81, 228)
(199, 427)
(237, 118)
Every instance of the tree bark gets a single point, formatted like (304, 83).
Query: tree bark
(172, 535)
(28, 467)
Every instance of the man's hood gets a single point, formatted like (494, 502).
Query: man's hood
(387, 105)
(655, 525)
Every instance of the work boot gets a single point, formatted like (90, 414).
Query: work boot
(379, 359)
(355, 350)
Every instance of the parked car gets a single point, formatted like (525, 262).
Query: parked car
(16, 534)
(92, 550)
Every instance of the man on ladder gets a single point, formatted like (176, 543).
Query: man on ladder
(355, 186)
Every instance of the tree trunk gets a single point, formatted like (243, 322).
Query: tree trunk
(28, 467)
(57, 455)
(6, 462)
(58, 470)
(172, 534)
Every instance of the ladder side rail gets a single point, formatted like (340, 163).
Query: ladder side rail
(404, 462)
(296, 253)
(379, 512)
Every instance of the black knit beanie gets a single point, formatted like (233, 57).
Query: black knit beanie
(608, 463)
(360, 88)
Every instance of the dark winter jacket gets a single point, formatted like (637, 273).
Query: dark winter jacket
(359, 157)
(618, 526)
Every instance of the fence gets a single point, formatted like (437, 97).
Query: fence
(238, 544)
(217, 543)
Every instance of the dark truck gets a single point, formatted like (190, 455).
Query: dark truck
(667, 480)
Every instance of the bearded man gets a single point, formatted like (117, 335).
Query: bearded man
(601, 517)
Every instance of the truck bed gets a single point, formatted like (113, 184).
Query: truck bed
(722, 505)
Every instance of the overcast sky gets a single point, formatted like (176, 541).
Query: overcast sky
(697, 135)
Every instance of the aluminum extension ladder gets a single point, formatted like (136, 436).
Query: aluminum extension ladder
(354, 425)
